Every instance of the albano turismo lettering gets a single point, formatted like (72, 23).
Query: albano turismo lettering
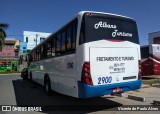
(104, 25)
(115, 33)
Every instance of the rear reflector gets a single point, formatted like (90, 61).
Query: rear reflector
(139, 66)
(116, 90)
(86, 76)
(114, 40)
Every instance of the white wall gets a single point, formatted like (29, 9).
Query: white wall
(33, 37)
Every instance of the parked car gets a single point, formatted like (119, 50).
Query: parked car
(24, 74)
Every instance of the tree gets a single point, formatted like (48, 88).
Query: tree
(3, 26)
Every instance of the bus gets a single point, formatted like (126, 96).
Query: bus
(150, 62)
(94, 54)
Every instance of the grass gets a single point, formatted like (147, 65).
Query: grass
(150, 81)
(8, 72)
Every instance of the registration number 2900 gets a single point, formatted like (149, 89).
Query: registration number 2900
(104, 80)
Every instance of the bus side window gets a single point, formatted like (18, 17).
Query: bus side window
(30, 58)
(35, 55)
(49, 49)
(74, 34)
(44, 51)
(81, 39)
(53, 46)
(144, 52)
(38, 54)
(69, 38)
(58, 45)
(63, 42)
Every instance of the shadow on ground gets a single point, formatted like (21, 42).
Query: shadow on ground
(29, 93)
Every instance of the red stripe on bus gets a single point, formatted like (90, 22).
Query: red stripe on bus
(111, 40)
(155, 57)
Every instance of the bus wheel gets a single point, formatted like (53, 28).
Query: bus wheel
(47, 86)
(30, 76)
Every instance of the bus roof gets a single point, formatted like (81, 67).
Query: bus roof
(81, 13)
(144, 46)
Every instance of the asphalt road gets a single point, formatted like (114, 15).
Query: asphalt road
(15, 91)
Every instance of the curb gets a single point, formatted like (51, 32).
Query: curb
(10, 74)
(119, 95)
(156, 102)
(145, 86)
(142, 99)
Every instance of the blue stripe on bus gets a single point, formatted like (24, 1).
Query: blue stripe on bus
(88, 91)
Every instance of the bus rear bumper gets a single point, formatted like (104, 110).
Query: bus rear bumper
(88, 91)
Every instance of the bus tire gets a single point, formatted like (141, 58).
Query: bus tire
(47, 85)
(30, 76)
(25, 78)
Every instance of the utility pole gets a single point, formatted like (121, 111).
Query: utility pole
(36, 38)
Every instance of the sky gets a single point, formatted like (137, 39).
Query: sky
(49, 15)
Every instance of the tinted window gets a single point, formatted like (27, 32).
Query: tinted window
(53, 46)
(74, 36)
(156, 40)
(49, 47)
(45, 51)
(69, 38)
(97, 27)
(144, 52)
(58, 44)
(63, 42)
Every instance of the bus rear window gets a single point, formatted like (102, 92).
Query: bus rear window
(102, 26)
(145, 52)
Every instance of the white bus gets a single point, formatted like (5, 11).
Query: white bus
(92, 55)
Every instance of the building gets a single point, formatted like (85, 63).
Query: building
(23, 48)
(154, 38)
(34, 38)
(9, 56)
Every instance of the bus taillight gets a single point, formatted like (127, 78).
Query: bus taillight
(89, 13)
(86, 75)
(139, 73)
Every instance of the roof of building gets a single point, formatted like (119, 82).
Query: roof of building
(10, 41)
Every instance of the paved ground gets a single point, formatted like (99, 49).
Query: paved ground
(15, 91)
(152, 77)
(148, 92)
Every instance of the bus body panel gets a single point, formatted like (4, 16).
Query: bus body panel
(127, 80)
(111, 65)
(84, 51)
(61, 71)
(87, 91)
(151, 61)
(154, 56)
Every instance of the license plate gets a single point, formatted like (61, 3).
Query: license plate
(117, 90)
